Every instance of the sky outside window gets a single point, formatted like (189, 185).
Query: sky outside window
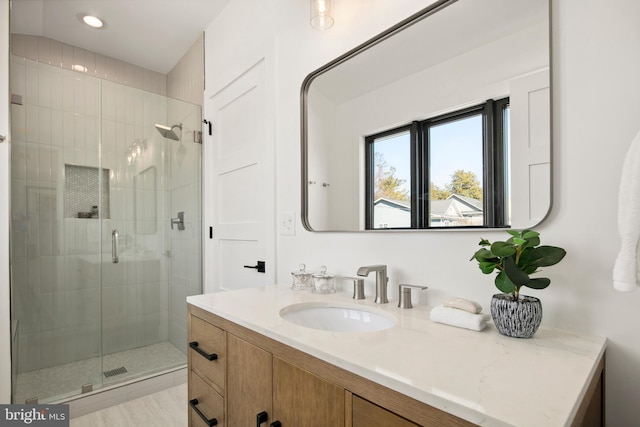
(455, 146)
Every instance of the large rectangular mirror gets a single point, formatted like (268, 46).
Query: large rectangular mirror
(442, 121)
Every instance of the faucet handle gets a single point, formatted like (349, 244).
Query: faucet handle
(358, 287)
(404, 295)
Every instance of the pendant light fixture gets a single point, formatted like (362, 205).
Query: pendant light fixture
(322, 14)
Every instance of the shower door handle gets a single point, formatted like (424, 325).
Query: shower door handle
(114, 247)
(178, 221)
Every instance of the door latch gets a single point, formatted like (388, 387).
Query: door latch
(261, 267)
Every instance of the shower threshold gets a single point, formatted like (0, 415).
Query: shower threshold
(61, 382)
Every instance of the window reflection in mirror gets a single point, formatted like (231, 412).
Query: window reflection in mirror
(389, 180)
(456, 184)
(446, 171)
(444, 60)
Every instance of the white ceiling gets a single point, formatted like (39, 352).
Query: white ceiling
(153, 34)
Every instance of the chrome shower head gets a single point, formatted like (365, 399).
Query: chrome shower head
(168, 132)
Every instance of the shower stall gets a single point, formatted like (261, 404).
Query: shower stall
(99, 275)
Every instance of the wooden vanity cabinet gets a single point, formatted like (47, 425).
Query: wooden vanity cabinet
(259, 382)
(245, 380)
(254, 374)
(290, 386)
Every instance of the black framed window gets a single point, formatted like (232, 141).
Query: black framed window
(446, 171)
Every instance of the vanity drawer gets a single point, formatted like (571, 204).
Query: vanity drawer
(207, 352)
(366, 414)
(204, 399)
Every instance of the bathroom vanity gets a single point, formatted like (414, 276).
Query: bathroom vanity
(248, 366)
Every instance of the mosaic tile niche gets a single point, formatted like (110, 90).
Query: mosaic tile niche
(81, 190)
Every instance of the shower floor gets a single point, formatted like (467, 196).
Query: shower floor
(63, 381)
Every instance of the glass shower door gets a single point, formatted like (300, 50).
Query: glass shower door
(88, 160)
(55, 234)
(145, 158)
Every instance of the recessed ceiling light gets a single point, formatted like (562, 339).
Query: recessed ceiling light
(92, 21)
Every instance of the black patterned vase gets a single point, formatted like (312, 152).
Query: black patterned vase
(518, 319)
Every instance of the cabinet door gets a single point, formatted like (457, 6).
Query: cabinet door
(249, 382)
(204, 403)
(302, 399)
(366, 414)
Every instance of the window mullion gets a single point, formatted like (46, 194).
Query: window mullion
(417, 168)
(500, 163)
(369, 169)
(488, 138)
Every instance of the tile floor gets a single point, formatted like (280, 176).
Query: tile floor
(167, 408)
(58, 382)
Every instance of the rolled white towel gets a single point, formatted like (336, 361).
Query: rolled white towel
(459, 318)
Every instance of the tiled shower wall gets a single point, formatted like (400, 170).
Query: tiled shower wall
(58, 54)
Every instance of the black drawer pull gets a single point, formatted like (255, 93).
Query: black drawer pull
(261, 418)
(275, 424)
(212, 422)
(194, 345)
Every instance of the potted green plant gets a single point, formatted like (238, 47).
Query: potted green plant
(515, 260)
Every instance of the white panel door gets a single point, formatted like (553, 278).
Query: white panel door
(240, 184)
(530, 124)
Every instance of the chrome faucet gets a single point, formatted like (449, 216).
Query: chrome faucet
(381, 281)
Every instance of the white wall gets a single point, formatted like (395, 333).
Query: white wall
(596, 105)
(5, 352)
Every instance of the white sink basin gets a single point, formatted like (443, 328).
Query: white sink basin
(334, 317)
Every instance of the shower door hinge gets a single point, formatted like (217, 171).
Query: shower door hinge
(208, 122)
(197, 137)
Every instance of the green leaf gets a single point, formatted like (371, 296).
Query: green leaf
(538, 283)
(528, 234)
(503, 249)
(514, 233)
(504, 284)
(519, 241)
(545, 256)
(532, 242)
(514, 273)
(483, 255)
(487, 266)
(484, 242)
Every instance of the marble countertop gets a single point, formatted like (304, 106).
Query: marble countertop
(483, 377)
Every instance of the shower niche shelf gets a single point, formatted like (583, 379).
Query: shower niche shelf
(85, 187)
